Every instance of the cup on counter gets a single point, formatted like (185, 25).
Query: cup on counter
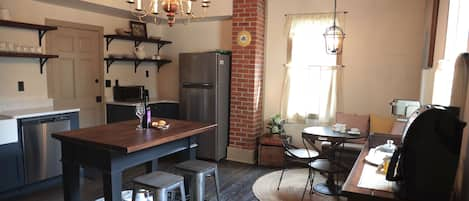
(4, 14)
(3, 46)
(18, 48)
(339, 127)
(10, 47)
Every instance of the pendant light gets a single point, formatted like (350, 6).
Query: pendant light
(334, 36)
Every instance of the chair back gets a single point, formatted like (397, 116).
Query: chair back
(286, 143)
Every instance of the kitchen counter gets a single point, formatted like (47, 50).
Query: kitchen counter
(152, 101)
(36, 112)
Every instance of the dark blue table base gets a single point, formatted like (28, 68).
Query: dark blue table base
(112, 164)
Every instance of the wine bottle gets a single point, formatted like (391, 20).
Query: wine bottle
(146, 121)
(148, 109)
(144, 118)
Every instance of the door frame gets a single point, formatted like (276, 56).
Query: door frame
(87, 27)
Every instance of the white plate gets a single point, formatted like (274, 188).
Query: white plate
(376, 157)
(353, 132)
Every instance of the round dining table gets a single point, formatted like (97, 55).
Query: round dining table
(329, 164)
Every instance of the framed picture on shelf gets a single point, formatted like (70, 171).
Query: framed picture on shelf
(138, 29)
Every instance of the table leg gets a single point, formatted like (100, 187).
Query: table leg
(112, 186)
(191, 152)
(151, 166)
(328, 188)
(71, 181)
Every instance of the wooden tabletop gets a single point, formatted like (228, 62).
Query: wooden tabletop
(123, 136)
(353, 192)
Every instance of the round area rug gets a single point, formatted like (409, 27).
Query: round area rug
(291, 188)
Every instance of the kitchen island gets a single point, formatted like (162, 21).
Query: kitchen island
(115, 147)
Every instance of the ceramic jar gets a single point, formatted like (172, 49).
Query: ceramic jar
(139, 52)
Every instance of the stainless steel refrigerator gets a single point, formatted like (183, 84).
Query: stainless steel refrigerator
(204, 96)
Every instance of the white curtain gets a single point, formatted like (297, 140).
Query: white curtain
(312, 79)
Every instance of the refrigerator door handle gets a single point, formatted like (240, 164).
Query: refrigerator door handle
(196, 85)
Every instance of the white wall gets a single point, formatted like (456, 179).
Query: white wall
(13, 70)
(193, 37)
(382, 51)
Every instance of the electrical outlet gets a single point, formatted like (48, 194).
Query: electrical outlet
(20, 85)
(108, 83)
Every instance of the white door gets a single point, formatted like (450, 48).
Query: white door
(75, 78)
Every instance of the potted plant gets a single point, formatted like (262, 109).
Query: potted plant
(276, 125)
(312, 119)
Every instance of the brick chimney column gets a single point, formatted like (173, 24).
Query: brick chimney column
(246, 81)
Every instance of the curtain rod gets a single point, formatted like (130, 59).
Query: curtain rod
(293, 14)
(310, 66)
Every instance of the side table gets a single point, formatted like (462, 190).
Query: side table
(270, 150)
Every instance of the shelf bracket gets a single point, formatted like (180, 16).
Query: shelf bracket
(108, 42)
(137, 43)
(41, 34)
(42, 61)
(160, 45)
(108, 64)
(136, 64)
(158, 66)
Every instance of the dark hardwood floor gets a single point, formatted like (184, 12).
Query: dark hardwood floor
(236, 180)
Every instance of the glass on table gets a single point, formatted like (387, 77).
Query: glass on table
(139, 112)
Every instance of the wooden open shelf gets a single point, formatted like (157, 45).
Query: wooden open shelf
(159, 62)
(42, 29)
(137, 40)
(42, 57)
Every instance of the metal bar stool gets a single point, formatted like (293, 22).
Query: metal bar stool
(198, 170)
(160, 183)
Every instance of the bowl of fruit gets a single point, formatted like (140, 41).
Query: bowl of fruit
(161, 124)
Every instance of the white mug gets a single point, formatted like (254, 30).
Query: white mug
(3, 46)
(4, 14)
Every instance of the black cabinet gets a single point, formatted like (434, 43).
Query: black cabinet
(117, 113)
(11, 163)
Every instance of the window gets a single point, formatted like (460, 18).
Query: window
(456, 43)
(312, 78)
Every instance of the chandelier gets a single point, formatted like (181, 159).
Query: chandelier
(334, 36)
(170, 7)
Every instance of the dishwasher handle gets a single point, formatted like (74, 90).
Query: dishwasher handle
(43, 120)
(54, 119)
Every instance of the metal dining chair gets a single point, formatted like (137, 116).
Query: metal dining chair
(297, 155)
(321, 164)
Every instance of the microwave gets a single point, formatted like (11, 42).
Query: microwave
(128, 93)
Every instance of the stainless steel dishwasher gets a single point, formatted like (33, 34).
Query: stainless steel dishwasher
(41, 152)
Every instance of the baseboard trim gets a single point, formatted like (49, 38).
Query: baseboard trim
(241, 155)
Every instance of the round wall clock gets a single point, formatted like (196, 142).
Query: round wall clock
(244, 38)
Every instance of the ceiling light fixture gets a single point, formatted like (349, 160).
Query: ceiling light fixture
(334, 36)
(171, 7)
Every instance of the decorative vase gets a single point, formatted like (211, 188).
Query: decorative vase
(139, 52)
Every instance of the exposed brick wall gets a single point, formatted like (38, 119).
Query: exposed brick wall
(247, 75)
